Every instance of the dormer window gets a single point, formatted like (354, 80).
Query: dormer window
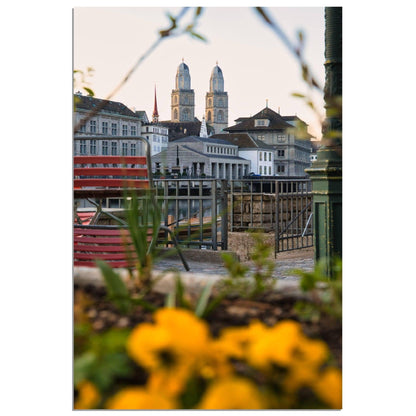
(263, 122)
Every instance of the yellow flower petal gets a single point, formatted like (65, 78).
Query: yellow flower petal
(139, 398)
(232, 393)
(88, 396)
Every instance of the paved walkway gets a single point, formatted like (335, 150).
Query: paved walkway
(283, 269)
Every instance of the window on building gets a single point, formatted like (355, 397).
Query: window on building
(105, 148)
(93, 147)
(261, 122)
(93, 126)
(82, 128)
(124, 149)
(265, 156)
(281, 138)
(104, 127)
(280, 168)
(114, 148)
(220, 116)
(124, 130)
(280, 153)
(261, 170)
(270, 157)
(83, 147)
(270, 170)
(133, 149)
(114, 129)
(260, 156)
(133, 131)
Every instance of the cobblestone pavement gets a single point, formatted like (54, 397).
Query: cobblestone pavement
(283, 269)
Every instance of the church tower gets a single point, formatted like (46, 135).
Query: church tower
(216, 102)
(182, 97)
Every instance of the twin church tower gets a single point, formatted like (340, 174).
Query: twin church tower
(216, 100)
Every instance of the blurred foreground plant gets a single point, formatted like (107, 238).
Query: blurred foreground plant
(251, 367)
(325, 291)
(250, 285)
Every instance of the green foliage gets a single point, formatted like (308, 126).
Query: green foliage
(201, 306)
(325, 291)
(117, 290)
(240, 282)
(103, 359)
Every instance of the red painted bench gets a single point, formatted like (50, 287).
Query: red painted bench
(109, 243)
(108, 180)
(99, 177)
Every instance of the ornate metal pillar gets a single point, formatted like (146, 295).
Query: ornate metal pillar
(326, 171)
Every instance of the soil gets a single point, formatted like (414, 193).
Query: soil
(268, 308)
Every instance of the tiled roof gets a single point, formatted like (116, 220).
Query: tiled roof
(277, 122)
(178, 130)
(243, 140)
(86, 102)
(193, 139)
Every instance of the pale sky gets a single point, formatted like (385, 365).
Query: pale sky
(255, 63)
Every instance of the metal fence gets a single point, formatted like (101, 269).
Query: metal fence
(282, 206)
(195, 210)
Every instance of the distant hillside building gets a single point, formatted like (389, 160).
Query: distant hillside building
(286, 134)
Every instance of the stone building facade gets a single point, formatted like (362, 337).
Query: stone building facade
(110, 131)
(216, 102)
(286, 134)
(201, 156)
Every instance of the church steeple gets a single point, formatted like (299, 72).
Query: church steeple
(182, 97)
(216, 101)
(155, 115)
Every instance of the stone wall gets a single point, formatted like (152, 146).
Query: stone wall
(242, 244)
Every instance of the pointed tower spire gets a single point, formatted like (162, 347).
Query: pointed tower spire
(155, 115)
(204, 131)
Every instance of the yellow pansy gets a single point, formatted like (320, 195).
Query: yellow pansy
(232, 393)
(236, 340)
(276, 345)
(329, 387)
(88, 396)
(139, 398)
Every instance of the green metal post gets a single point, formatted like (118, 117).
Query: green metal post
(326, 171)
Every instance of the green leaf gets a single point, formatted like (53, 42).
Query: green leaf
(203, 300)
(198, 36)
(83, 365)
(89, 91)
(297, 94)
(117, 290)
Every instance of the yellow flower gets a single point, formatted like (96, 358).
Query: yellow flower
(308, 357)
(169, 348)
(88, 396)
(276, 345)
(236, 341)
(232, 393)
(329, 387)
(139, 398)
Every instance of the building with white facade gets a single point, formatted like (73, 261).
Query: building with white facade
(260, 154)
(157, 135)
(196, 156)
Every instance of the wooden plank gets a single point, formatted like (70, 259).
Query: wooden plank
(133, 160)
(118, 183)
(143, 172)
(101, 248)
